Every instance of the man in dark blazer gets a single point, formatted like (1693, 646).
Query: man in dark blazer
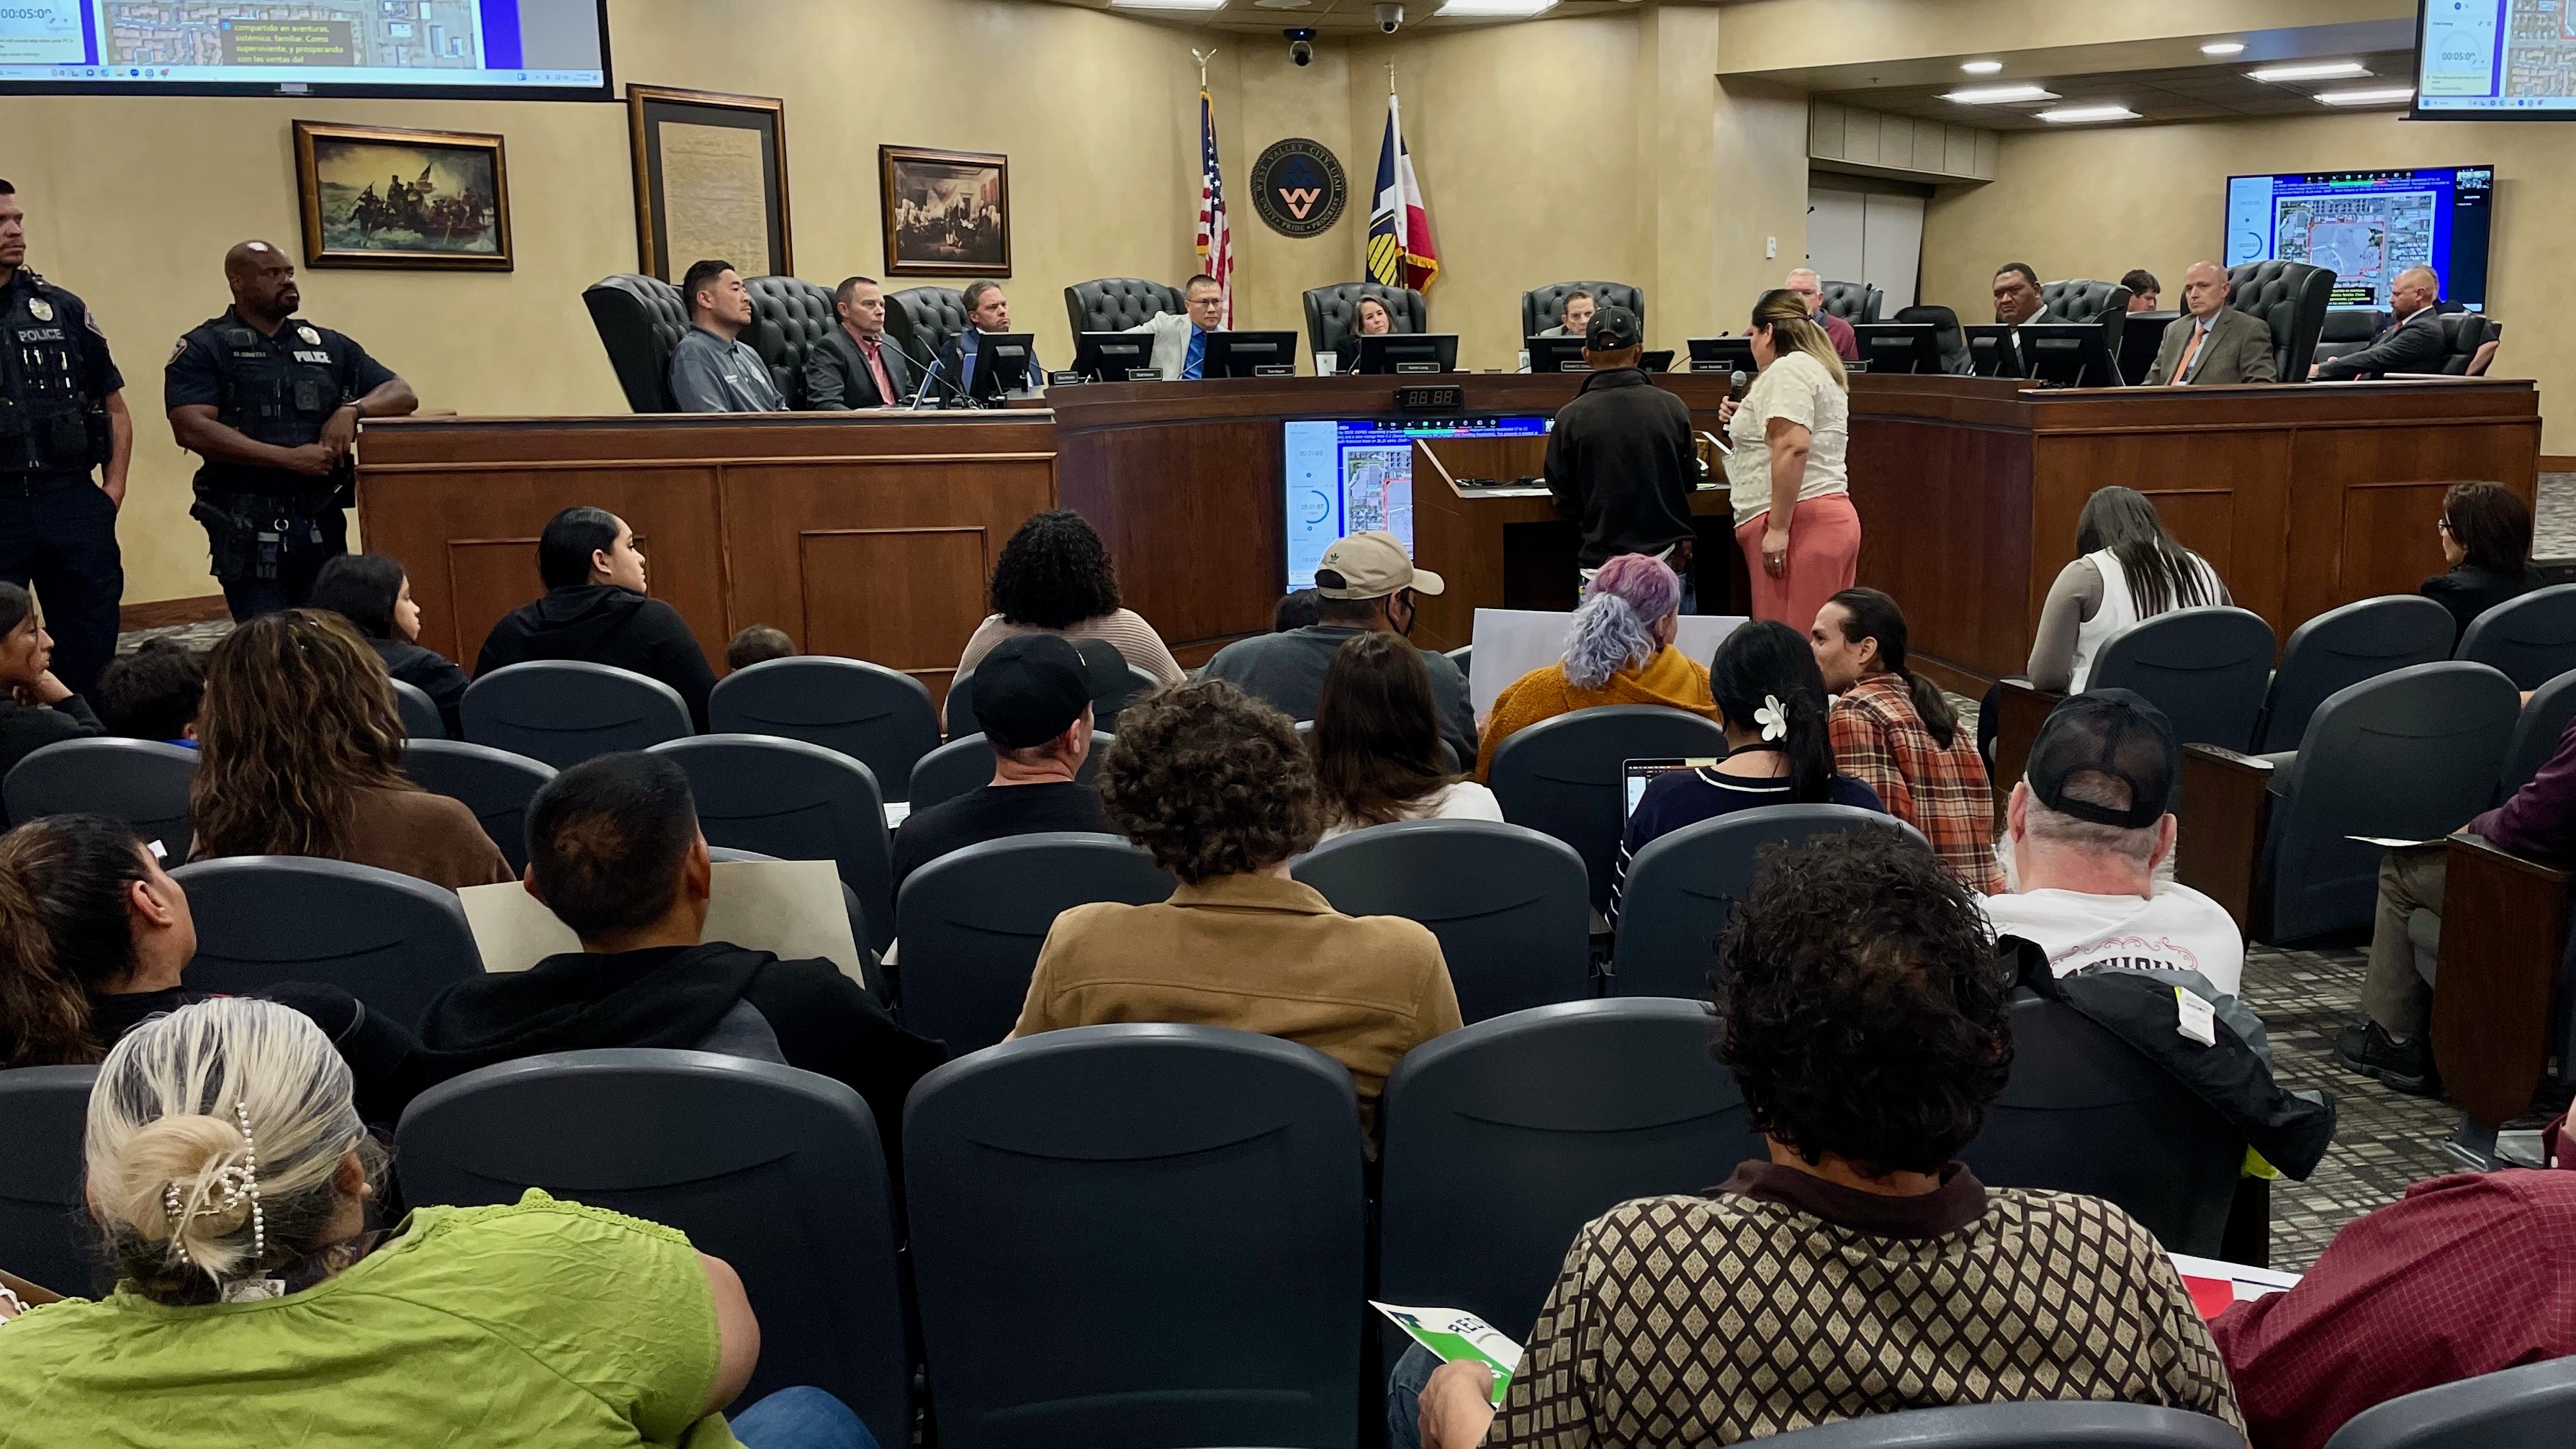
(987, 311)
(854, 365)
(2413, 343)
(2212, 342)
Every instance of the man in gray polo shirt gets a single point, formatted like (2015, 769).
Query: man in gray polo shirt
(711, 370)
(1365, 582)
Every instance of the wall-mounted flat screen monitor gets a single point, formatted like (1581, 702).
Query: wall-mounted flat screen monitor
(2368, 226)
(2504, 60)
(1349, 475)
(492, 49)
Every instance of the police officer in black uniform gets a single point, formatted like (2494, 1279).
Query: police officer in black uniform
(62, 414)
(273, 405)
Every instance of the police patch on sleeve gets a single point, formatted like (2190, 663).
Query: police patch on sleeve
(178, 350)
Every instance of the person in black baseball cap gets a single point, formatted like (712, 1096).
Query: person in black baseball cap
(1033, 696)
(2089, 831)
(1621, 460)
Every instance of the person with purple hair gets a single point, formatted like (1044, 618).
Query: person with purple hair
(1618, 650)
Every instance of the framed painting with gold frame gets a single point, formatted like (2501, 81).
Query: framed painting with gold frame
(710, 181)
(377, 196)
(947, 213)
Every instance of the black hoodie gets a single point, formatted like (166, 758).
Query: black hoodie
(605, 624)
(1621, 463)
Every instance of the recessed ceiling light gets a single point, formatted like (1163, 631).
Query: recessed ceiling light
(2078, 115)
(1982, 67)
(1168, 4)
(2328, 70)
(1496, 9)
(2382, 96)
(2224, 47)
(1998, 95)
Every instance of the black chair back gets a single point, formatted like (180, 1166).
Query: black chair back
(2291, 299)
(966, 762)
(1330, 311)
(1954, 342)
(390, 940)
(2207, 669)
(1543, 307)
(2023, 1424)
(1169, 1222)
(564, 711)
(1565, 776)
(2537, 732)
(2343, 647)
(776, 1171)
(1856, 301)
(1114, 304)
(1512, 907)
(2085, 300)
(2346, 329)
(2463, 333)
(2530, 1407)
(2531, 638)
(881, 717)
(972, 922)
(924, 320)
(420, 716)
(788, 316)
(46, 1234)
(141, 782)
(795, 801)
(640, 320)
(495, 784)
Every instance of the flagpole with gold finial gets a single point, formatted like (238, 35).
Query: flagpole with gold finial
(1203, 57)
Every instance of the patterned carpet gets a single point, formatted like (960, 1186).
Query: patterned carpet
(2553, 534)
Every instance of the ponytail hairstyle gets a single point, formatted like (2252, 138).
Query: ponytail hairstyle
(214, 1137)
(65, 933)
(1792, 330)
(2162, 573)
(1869, 614)
(1614, 626)
(1766, 664)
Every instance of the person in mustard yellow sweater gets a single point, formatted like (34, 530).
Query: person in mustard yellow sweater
(1619, 650)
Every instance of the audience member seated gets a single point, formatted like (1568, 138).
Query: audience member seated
(1618, 650)
(712, 369)
(1032, 700)
(37, 710)
(232, 1177)
(1296, 609)
(2127, 569)
(2391, 1041)
(153, 693)
(1779, 748)
(614, 851)
(373, 593)
(2486, 540)
(1055, 577)
(1220, 789)
(300, 753)
(1860, 1270)
(1369, 318)
(2462, 1276)
(1895, 732)
(595, 611)
(758, 644)
(1365, 584)
(2084, 832)
(1377, 743)
(93, 937)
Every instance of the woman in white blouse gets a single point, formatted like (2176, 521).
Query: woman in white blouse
(1786, 475)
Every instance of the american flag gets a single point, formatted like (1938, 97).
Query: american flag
(1215, 238)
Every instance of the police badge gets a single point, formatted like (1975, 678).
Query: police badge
(40, 309)
(311, 337)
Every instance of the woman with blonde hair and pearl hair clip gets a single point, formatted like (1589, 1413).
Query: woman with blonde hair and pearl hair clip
(230, 1177)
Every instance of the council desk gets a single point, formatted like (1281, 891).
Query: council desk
(873, 534)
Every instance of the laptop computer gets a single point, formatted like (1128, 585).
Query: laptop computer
(1634, 775)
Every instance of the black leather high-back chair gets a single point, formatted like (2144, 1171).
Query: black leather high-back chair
(640, 320)
(2463, 335)
(2084, 300)
(788, 316)
(1329, 311)
(1954, 342)
(2346, 329)
(924, 320)
(1857, 301)
(2291, 297)
(1541, 307)
(1114, 304)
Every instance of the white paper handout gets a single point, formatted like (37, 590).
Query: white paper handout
(789, 908)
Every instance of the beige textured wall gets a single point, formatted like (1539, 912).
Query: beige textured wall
(2094, 203)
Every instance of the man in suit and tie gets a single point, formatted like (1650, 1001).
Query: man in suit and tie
(987, 310)
(2212, 342)
(2018, 300)
(1180, 343)
(853, 366)
(2413, 343)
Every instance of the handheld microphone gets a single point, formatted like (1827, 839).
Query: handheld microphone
(1737, 385)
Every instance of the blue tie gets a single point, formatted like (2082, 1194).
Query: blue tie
(1196, 357)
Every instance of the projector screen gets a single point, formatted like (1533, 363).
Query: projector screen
(2367, 226)
(528, 49)
(2502, 59)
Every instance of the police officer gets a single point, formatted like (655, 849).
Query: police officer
(273, 405)
(62, 414)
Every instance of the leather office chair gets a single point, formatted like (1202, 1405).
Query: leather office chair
(2291, 297)
(2469, 343)
(2085, 300)
(788, 316)
(640, 319)
(924, 320)
(2345, 330)
(1329, 311)
(1855, 301)
(1114, 304)
(1541, 307)
(1954, 342)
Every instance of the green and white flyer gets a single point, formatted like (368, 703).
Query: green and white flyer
(1452, 1334)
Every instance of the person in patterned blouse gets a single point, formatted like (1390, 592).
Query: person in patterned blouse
(1860, 1270)
(1895, 732)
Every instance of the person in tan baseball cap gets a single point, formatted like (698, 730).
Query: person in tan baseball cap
(1365, 583)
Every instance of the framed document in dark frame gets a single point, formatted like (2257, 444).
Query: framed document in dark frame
(710, 181)
(947, 213)
(373, 196)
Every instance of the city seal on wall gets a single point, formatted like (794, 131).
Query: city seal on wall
(1298, 187)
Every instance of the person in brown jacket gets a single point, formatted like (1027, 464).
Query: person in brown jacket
(1220, 789)
(300, 753)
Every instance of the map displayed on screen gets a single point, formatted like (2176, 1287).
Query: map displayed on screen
(303, 46)
(2368, 226)
(2506, 57)
(1350, 475)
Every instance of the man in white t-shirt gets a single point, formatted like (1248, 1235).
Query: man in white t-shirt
(2087, 827)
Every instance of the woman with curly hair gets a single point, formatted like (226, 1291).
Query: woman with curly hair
(1618, 650)
(1219, 788)
(300, 753)
(1862, 1013)
(1055, 577)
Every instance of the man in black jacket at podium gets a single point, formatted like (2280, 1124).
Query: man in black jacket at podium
(1621, 461)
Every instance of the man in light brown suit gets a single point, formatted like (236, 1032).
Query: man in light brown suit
(2212, 342)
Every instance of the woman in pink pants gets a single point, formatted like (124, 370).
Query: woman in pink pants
(1786, 476)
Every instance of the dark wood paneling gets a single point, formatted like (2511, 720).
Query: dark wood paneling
(925, 594)
(2504, 920)
(2219, 829)
(1945, 526)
